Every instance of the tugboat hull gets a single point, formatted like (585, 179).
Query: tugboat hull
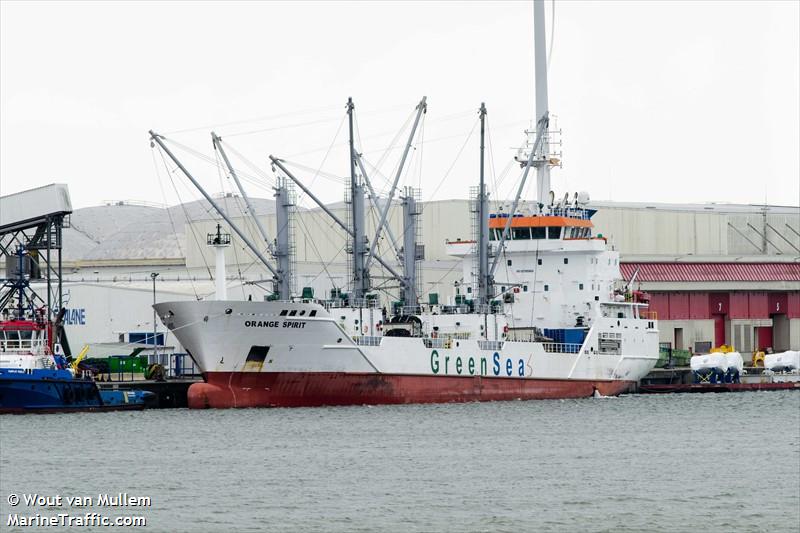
(50, 391)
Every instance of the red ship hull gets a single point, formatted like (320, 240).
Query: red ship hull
(307, 389)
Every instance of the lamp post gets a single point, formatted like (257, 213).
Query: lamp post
(154, 275)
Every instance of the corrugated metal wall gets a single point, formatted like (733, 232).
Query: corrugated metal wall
(632, 231)
(734, 305)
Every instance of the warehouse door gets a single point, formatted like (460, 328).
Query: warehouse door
(780, 333)
(780, 322)
(764, 338)
(719, 330)
(679, 338)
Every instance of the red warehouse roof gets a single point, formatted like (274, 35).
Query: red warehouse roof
(712, 271)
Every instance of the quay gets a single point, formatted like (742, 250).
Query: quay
(171, 393)
(680, 380)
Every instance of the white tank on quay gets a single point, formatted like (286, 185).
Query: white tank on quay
(717, 366)
(788, 361)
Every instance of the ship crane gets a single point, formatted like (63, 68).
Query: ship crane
(363, 250)
(279, 284)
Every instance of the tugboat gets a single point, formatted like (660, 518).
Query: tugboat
(35, 376)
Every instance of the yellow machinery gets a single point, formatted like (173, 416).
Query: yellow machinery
(758, 357)
(723, 348)
(79, 358)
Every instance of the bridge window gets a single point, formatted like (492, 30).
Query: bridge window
(580, 286)
(546, 288)
(509, 262)
(539, 262)
(538, 233)
(521, 233)
(566, 260)
(553, 232)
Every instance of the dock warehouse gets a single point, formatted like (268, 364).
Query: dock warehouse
(715, 272)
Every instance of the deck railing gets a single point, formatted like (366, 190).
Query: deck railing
(24, 344)
(366, 340)
(490, 345)
(561, 347)
(437, 343)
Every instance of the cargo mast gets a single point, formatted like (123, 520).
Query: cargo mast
(281, 250)
(538, 149)
(360, 273)
(485, 283)
(542, 109)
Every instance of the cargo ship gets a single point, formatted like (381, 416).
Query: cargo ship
(556, 321)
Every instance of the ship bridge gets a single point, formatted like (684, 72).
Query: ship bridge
(556, 226)
(560, 229)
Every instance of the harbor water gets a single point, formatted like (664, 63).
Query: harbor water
(693, 462)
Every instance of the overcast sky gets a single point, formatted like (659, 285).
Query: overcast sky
(658, 101)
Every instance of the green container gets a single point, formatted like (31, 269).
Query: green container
(273, 297)
(127, 364)
(308, 293)
(679, 357)
(433, 298)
